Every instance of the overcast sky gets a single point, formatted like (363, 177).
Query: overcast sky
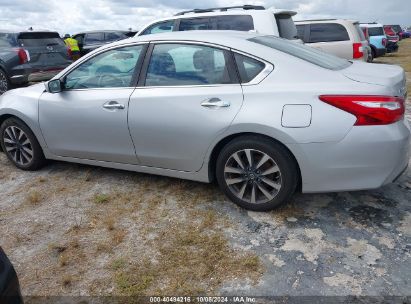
(71, 16)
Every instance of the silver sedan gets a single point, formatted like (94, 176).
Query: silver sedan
(262, 116)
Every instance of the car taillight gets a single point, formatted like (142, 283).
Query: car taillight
(24, 55)
(357, 50)
(384, 42)
(369, 110)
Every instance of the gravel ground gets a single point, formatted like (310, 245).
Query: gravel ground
(78, 230)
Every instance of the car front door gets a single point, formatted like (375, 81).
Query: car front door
(188, 95)
(88, 119)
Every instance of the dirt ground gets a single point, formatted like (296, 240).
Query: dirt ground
(78, 230)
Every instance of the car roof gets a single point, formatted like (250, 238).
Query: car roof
(26, 31)
(371, 24)
(344, 21)
(225, 13)
(102, 31)
(227, 38)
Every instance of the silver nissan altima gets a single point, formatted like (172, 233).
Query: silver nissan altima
(260, 115)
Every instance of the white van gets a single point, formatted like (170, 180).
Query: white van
(343, 38)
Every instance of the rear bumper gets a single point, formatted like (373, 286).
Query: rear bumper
(24, 75)
(380, 52)
(367, 158)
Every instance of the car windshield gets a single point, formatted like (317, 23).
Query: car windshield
(40, 39)
(303, 52)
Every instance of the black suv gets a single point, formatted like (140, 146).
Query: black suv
(30, 56)
(89, 41)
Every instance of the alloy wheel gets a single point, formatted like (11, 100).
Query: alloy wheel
(18, 145)
(253, 176)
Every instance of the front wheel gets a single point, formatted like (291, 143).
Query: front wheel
(257, 173)
(20, 145)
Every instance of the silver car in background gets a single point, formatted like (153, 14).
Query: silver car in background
(260, 115)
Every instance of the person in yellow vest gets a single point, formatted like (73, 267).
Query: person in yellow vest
(72, 45)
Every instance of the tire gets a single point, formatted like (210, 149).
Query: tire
(27, 153)
(4, 82)
(273, 174)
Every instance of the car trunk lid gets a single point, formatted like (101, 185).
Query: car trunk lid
(379, 74)
(46, 49)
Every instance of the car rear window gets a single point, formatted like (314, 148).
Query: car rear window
(376, 31)
(234, 22)
(286, 26)
(248, 68)
(7, 40)
(327, 32)
(94, 38)
(40, 39)
(303, 52)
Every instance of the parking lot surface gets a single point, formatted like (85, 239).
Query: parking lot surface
(78, 230)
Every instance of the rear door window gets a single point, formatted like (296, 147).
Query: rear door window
(286, 26)
(186, 64)
(233, 22)
(161, 27)
(35, 39)
(248, 68)
(327, 32)
(94, 38)
(195, 24)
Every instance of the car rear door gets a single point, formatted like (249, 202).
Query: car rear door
(189, 93)
(332, 38)
(45, 49)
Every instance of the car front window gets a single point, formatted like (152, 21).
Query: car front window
(113, 68)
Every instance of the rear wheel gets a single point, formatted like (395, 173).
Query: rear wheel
(4, 82)
(257, 173)
(20, 145)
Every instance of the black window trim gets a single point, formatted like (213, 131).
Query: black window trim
(231, 66)
(136, 72)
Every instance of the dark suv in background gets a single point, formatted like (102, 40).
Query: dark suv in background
(30, 56)
(89, 41)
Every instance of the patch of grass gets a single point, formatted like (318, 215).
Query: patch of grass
(34, 197)
(101, 198)
(118, 264)
(193, 259)
(67, 280)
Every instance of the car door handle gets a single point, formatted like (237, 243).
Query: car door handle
(113, 105)
(215, 103)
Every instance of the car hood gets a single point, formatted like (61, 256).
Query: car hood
(32, 91)
(379, 74)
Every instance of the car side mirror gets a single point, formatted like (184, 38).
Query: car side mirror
(54, 86)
